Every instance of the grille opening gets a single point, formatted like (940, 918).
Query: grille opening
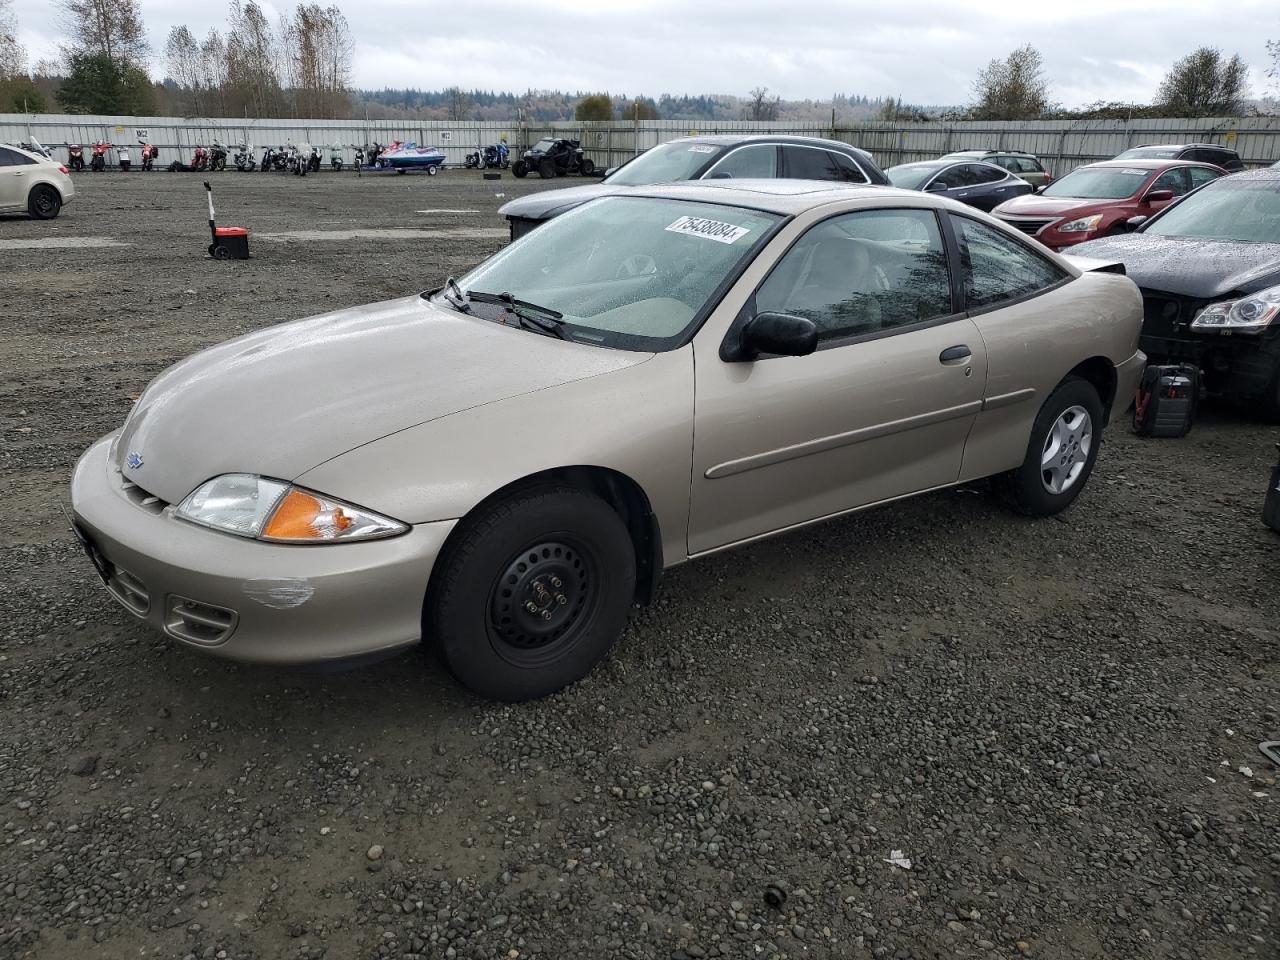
(129, 590)
(197, 622)
(140, 497)
(1031, 227)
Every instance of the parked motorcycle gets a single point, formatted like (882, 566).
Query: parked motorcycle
(122, 157)
(217, 156)
(99, 161)
(35, 146)
(473, 160)
(359, 158)
(200, 158)
(313, 160)
(149, 154)
(75, 157)
(496, 156)
(335, 158)
(244, 159)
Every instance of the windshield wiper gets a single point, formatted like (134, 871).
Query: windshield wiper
(453, 293)
(531, 316)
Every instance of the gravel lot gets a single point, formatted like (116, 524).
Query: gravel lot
(1047, 718)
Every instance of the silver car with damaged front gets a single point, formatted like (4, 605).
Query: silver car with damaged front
(506, 464)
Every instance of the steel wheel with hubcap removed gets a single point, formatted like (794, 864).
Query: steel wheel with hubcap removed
(1061, 451)
(531, 592)
(44, 202)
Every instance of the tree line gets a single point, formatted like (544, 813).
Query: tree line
(300, 66)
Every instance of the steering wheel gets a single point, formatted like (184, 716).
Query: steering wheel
(636, 265)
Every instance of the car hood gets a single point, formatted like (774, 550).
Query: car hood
(1188, 266)
(552, 203)
(1034, 205)
(281, 401)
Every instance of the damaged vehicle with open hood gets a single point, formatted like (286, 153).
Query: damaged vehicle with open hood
(506, 464)
(1209, 270)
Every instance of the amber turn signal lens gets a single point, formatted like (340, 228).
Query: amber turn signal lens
(300, 516)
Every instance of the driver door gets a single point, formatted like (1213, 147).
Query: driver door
(882, 408)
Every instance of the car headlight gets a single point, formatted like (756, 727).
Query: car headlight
(265, 509)
(1251, 314)
(1082, 225)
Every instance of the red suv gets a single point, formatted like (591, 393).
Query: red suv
(1097, 200)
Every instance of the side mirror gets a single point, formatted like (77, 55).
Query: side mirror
(777, 333)
(936, 187)
(1040, 189)
(1158, 196)
(1133, 223)
(611, 171)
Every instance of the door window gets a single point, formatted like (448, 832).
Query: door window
(806, 163)
(998, 267)
(951, 177)
(1175, 180)
(1026, 165)
(760, 160)
(1201, 175)
(863, 273)
(12, 158)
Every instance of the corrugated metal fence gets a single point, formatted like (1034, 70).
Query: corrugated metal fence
(1063, 145)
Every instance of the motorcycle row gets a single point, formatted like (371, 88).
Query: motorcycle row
(298, 160)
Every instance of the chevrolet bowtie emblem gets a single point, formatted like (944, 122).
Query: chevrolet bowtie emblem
(133, 461)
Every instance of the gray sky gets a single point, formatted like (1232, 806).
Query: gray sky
(926, 51)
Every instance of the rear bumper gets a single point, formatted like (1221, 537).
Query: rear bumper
(248, 600)
(1128, 374)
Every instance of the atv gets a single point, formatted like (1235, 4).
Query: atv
(554, 157)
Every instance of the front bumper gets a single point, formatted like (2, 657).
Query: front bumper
(245, 599)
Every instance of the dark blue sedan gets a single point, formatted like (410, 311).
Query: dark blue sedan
(981, 185)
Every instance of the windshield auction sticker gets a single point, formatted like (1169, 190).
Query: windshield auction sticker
(709, 229)
(701, 148)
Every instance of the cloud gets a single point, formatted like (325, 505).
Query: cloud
(925, 52)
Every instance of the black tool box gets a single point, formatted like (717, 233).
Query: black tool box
(1166, 402)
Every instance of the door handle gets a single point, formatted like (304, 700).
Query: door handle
(957, 354)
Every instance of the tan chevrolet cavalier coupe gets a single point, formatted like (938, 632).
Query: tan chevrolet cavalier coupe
(505, 465)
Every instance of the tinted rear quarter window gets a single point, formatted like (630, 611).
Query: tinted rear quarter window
(985, 174)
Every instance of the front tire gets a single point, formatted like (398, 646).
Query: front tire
(587, 167)
(44, 202)
(532, 593)
(520, 169)
(547, 170)
(1063, 448)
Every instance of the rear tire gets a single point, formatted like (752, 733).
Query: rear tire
(563, 551)
(1063, 448)
(547, 170)
(587, 168)
(43, 202)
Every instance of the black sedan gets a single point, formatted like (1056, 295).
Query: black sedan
(1209, 270)
(981, 185)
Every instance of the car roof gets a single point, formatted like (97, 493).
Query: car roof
(1176, 146)
(786, 197)
(1259, 174)
(1148, 163)
(734, 139)
(988, 153)
(950, 160)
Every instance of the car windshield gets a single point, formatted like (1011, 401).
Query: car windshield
(911, 176)
(665, 164)
(1099, 183)
(545, 144)
(633, 273)
(1227, 209)
(1149, 153)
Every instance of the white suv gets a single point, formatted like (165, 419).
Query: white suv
(33, 183)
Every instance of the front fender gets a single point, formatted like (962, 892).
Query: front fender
(637, 421)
